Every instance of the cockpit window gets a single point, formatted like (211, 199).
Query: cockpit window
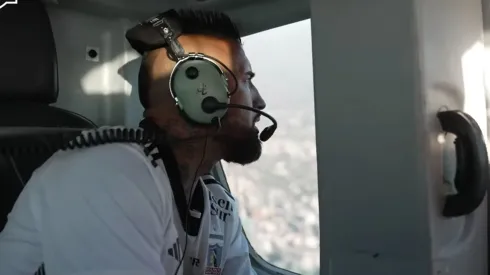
(278, 194)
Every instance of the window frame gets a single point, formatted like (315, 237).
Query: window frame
(260, 265)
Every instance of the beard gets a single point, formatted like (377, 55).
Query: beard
(241, 146)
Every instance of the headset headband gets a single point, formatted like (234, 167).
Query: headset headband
(159, 31)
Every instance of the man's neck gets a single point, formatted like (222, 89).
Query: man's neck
(193, 163)
(192, 158)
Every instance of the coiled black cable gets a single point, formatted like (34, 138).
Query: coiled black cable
(69, 139)
(52, 142)
(109, 135)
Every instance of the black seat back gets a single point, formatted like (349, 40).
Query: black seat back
(28, 85)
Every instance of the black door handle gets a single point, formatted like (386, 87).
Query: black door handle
(472, 172)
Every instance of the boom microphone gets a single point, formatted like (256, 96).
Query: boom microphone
(211, 104)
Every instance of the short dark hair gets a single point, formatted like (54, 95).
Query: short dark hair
(212, 23)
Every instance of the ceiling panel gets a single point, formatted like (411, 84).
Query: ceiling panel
(252, 15)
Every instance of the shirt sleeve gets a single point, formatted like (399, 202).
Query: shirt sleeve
(238, 261)
(102, 215)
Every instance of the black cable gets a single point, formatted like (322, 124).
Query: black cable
(65, 139)
(229, 70)
(189, 200)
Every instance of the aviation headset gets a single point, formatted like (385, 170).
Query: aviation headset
(197, 83)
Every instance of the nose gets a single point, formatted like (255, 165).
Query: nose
(259, 102)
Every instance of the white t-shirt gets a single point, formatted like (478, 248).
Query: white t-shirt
(107, 210)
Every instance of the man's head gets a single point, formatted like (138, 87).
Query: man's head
(213, 34)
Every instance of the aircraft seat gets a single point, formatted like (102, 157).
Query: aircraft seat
(28, 85)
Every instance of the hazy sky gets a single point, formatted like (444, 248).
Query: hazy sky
(284, 178)
(282, 60)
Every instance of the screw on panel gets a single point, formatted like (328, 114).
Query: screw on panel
(92, 54)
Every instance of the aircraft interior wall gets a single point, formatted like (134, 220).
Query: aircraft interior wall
(386, 69)
(452, 69)
(102, 88)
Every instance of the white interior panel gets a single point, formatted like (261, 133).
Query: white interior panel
(450, 39)
(382, 70)
(103, 89)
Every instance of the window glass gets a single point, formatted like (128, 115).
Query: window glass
(278, 194)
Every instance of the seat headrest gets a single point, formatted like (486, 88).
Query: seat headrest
(28, 64)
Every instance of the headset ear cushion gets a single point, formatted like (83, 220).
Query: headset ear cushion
(194, 79)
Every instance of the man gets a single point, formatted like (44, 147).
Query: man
(116, 208)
